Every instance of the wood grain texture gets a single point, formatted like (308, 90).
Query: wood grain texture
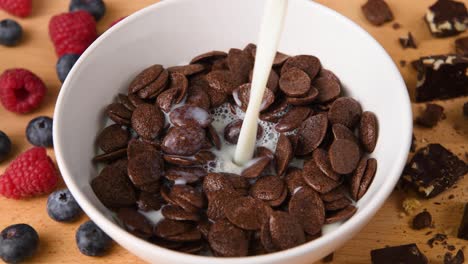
(388, 227)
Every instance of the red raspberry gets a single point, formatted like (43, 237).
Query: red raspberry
(21, 8)
(21, 91)
(72, 32)
(31, 173)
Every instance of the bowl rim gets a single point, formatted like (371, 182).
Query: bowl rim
(361, 218)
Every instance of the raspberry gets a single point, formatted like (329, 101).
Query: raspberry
(21, 91)
(72, 32)
(30, 174)
(21, 8)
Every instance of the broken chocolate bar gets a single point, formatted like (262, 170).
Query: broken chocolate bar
(461, 46)
(447, 18)
(434, 169)
(463, 229)
(404, 254)
(441, 77)
(431, 115)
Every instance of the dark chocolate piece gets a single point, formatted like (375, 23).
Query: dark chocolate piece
(408, 42)
(404, 254)
(441, 238)
(447, 18)
(459, 258)
(431, 115)
(441, 77)
(463, 229)
(396, 25)
(433, 170)
(377, 12)
(422, 220)
(461, 46)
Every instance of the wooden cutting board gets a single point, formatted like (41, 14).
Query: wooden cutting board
(389, 227)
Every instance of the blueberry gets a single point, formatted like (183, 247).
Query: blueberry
(39, 131)
(5, 146)
(62, 207)
(65, 64)
(18, 242)
(96, 8)
(91, 240)
(10, 32)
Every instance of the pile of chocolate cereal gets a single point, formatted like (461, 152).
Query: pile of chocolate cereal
(159, 152)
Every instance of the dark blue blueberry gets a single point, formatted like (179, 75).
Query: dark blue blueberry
(97, 8)
(62, 207)
(65, 64)
(10, 32)
(18, 242)
(91, 240)
(39, 132)
(5, 146)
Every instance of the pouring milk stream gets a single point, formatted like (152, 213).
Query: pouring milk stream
(267, 45)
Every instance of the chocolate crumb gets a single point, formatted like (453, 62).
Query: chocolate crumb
(431, 115)
(402, 63)
(422, 220)
(408, 42)
(451, 247)
(413, 144)
(459, 258)
(450, 197)
(396, 25)
(328, 258)
(428, 233)
(377, 12)
(436, 238)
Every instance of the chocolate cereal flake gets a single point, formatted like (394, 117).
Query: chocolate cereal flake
(377, 12)
(307, 207)
(286, 232)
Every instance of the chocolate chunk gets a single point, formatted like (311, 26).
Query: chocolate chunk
(342, 132)
(463, 228)
(284, 154)
(292, 119)
(377, 12)
(408, 41)
(113, 188)
(357, 178)
(268, 188)
(149, 201)
(316, 179)
(441, 77)
(294, 82)
(227, 240)
(118, 113)
(187, 69)
(232, 131)
(112, 138)
(247, 213)
(434, 169)
(442, 238)
(307, 99)
(459, 258)
(367, 178)
(368, 131)
(156, 87)
(328, 86)
(186, 174)
(176, 213)
(307, 207)
(311, 133)
(345, 111)
(431, 115)
(208, 56)
(341, 215)
(422, 220)
(309, 64)
(184, 141)
(257, 167)
(187, 115)
(240, 64)
(461, 46)
(135, 222)
(322, 161)
(447, 18)
(396, 25)
(344, 156)
(145, 78)
(285, 230)
(398, 254)
(243, 96)
(148, 121)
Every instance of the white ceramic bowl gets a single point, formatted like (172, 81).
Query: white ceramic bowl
(172, 32)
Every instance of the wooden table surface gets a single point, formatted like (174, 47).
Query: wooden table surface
(388, 227)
